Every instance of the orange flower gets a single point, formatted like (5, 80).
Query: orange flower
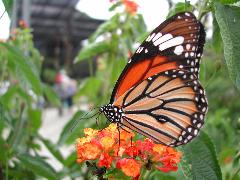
(167, 168)
(130, 6)
(105, 160)
(175, 155)
(87, 151)
(90, 132)
(131, 150)
(126, 135)
(106, 151)
(130, 167)
(145, 148)
(107, 143)
(22, 24)
(158, 150)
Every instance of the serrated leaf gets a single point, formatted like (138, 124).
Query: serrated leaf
(200, 153)
(216, 38)
(228, 18)
(185, 166)
(38, 166)
(92, 50)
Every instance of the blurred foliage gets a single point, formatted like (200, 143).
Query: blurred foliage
(20, 108)
(213, 155)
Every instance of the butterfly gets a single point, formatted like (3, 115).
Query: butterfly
(158, 94)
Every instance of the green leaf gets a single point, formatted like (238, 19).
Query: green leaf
(200, 153)
(8, 5)
(7, 98)
(51, 95)
(90, 88)
(19, 64)
(216, 38)
(156, 175)
(38, 166)
(115, 5)
(180, 7)
(70, 130)
(92, 50)
(228, 1)
(185, 166)
(35, 119)
(4, 114)
(53, 149)
(70, 160)
(107, 26)
(4, 150)
(228, 18)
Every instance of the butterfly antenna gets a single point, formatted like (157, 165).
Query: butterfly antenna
(83, 117)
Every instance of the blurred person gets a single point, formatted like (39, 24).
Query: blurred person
(65, 88)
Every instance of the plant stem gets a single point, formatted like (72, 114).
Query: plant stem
(6, 169)
(145, 176)
(201, 8)
(235, 174)
(185, 5)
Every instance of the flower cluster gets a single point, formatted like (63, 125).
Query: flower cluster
(131, 6)
(110, 148)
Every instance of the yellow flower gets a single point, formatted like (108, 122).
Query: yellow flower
(107, 142)
(90, 132)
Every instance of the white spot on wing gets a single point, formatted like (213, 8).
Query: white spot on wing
(150, 37)
(178, 50)
(158, 35)
(162, 39)
(172, 42)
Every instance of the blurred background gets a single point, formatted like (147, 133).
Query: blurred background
(61, 58)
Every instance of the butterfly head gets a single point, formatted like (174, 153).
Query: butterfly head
(113, 113)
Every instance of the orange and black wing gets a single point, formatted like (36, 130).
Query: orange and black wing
(177, 43)
(169, 107)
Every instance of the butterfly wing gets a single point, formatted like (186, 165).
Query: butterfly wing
(177, 43)
(168, 107)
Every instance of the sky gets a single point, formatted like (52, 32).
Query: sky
(4, 23)
(153, 11)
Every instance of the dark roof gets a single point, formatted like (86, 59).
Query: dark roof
(58, 28)
(60, 18)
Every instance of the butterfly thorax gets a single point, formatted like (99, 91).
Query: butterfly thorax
(113, 113)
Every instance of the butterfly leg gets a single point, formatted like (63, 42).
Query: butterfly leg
(119, 138)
